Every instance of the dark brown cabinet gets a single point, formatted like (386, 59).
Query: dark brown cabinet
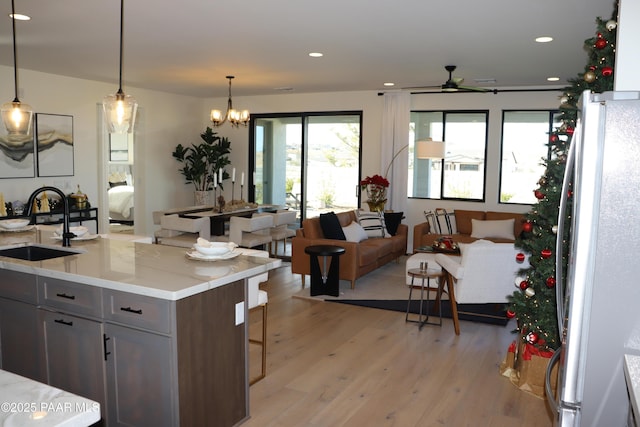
(74, 354)
(140, 378)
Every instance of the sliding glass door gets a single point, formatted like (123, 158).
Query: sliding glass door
(307, 162)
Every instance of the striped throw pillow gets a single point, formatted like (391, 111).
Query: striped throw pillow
(373, 223)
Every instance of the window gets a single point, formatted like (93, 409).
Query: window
(525, 135)
(461, 174)
(309, 162)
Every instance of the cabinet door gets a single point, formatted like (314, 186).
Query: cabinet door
(74, 351)
(140, 378)
(20, 343)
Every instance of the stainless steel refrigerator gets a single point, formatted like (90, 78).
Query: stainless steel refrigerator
(599, 305)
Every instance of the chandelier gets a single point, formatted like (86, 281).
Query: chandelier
(236, 118)
(120, 109)
(17, 117)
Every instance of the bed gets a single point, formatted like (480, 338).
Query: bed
(121, 204)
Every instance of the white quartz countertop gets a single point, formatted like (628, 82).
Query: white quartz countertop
(147, 269)
(24, 402)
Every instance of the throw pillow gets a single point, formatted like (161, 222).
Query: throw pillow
(392, 220)
(331, 228)
(354, 232)
(373, 223)
(502, 229)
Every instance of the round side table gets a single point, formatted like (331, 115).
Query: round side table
(425, 275)
(325, 280)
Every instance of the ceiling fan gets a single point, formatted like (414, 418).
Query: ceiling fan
(453, 84)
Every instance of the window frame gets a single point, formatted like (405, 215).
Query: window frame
(443, 169)
(550, 114)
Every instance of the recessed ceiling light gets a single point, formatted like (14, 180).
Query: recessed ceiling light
(389, 84)
(315, 54)
(553, 79)
(20, 17)
(544, 39)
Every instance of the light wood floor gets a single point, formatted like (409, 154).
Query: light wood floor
(331, 364)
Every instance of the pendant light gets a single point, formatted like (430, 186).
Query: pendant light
(236, 118)
(17, 116)
(120, 109)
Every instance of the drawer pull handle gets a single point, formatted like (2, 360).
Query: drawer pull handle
(105, 338)
(63, 295)
(131, 310)
(63, 322)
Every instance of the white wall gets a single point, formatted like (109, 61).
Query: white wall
(627, 59)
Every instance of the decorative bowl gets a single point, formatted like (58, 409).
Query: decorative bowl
(11, 224)
(214, 248)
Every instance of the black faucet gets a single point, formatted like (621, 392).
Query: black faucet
(66, 235)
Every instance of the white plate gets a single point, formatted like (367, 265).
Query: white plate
(17, 230)
(197, 255)
(85, 237)
(12, 224)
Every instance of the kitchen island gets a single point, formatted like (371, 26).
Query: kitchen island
(155, 337)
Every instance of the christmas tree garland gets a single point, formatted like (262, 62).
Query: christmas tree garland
(534, 304)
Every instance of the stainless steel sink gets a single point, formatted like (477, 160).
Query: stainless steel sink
(37, 252)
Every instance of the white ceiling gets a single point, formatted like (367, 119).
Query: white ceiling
(189, 46)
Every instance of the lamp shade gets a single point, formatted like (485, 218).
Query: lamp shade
(17, 118)
(429, 149)
(120, 112)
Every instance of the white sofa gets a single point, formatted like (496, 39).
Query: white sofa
(484, 273)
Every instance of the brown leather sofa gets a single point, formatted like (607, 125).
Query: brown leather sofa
(423, 235)
(359, 258)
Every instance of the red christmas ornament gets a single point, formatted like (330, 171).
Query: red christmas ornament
(524, 285)
(554, 138)
(520, 257)
(599, 34)
(539, 194)
(511, 314)
(601, 44)
(532, 338)
(570, 130)
(569, 193)
(607, 71)
(551, 282)
(527, 227)
(546, 253)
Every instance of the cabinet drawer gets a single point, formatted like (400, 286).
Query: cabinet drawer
(138, 310)
(18, 286)
(76, 298)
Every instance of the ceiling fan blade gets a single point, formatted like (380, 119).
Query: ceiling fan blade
(422, 87)
(474, 89)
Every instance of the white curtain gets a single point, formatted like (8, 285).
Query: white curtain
(395, 138)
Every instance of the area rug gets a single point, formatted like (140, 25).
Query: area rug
(385, 288)
(485, 313)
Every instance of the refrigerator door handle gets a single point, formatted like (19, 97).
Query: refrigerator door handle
(554, 401)
(562, 210)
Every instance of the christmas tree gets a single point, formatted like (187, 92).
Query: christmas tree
(534, 305)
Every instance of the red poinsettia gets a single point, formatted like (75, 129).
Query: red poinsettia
(377, 180)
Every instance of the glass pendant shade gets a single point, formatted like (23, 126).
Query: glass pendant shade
(120, 112)
(17, 118)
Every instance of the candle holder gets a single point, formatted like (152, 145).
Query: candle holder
(233, 186)
(241, 190)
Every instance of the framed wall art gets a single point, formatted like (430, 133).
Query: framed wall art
(54, 144)
(16, 155)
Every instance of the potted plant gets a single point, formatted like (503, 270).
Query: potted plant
(201, 162)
